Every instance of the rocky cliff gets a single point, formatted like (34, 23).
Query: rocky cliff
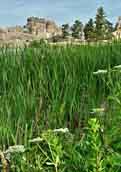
(35, 28)
(42, 27)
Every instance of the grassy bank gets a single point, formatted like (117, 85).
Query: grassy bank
(56, 87)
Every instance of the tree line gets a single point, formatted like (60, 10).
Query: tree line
(99, 28)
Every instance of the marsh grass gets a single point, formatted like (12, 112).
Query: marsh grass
(55, 87)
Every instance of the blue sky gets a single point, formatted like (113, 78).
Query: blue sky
(14, 12)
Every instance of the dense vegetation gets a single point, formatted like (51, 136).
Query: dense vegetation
(76, 88)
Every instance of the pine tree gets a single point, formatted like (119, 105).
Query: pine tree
(89, 30)
(109, 29)
(103, 28)
(77, 29)
(100, 23)
(65, 30)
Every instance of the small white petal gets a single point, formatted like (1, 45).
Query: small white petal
(49, 163)
(15, 149)
(36, 140)
(63, 130)
(95, 110)
(100, 72)
(117, 67)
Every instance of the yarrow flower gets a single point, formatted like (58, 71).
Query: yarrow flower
(100, 72)
(98, 110)
(15, 149)
(36, 140)
(49, 163)
(117, 67)
(62, 130)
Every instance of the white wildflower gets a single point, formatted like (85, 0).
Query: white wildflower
(15, 149)
(24, 158)
(100, 72)
(102, 130)
(62, 130)
(117, 67)
(36, 140)
(98, 110)
(49, 163)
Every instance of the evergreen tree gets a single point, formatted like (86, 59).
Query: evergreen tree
(103, 28)
(77, 29)
(100, 27)
(89, 30)
(116, 26)
(109, 29)
(65, 30)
